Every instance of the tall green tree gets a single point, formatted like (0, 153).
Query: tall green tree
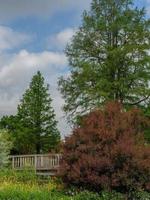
(37, 116)
(109, 58)
(34, 128)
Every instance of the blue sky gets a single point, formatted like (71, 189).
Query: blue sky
(33, 35)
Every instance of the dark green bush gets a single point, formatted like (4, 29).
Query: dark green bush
(141, 195)
(88, 196)
(111, 196)
(103, 196)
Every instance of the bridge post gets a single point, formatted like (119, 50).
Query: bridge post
(13, 162)
(35, 162)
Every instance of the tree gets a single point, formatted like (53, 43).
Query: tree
(108, 151)
(109, 58)
(34, 128)
(22, 135)
(37, 116)
(5, 146)
(12, 125)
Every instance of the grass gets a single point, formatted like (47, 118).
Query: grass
(25, 185)
(21, 191)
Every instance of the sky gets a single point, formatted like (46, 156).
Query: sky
(33, 35)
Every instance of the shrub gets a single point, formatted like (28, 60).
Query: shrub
(87, 196)
(141, 195)
(111, 195)
(95, 196)
(107, 151)
(5, 146)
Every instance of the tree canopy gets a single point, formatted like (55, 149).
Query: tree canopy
(109, 57)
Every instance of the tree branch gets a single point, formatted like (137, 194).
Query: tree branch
(135, 103)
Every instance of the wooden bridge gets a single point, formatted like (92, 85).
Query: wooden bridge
(43, 164)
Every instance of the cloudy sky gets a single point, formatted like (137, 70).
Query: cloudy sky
(33, 34)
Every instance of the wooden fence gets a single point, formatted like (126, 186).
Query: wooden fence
(38, 162)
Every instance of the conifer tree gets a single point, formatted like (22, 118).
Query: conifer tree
(38, 126)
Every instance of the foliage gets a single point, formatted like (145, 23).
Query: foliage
(24, 176)
(25, 185)
(146, 110)
(140, 195)
(28, 192)
(107, 151)
(111, 195)
(109, 58)
(88, 196)
(34, 128)
(21, 142)
(5, 145)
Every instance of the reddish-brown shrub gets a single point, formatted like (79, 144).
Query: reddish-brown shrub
(107, 151)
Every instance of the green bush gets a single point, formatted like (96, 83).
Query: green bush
(5, 146)
(87, 196)
(141, 195)
(111, 196)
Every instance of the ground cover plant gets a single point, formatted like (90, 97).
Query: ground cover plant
(25, 185)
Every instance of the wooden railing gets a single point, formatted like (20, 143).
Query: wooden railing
(37, 162)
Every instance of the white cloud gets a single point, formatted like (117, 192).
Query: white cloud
(10, 39)
(25, 63)
(147, 6)
(60, 40)
(10, 9)
(16, 74)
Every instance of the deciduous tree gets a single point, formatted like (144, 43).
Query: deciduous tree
(109, 57)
